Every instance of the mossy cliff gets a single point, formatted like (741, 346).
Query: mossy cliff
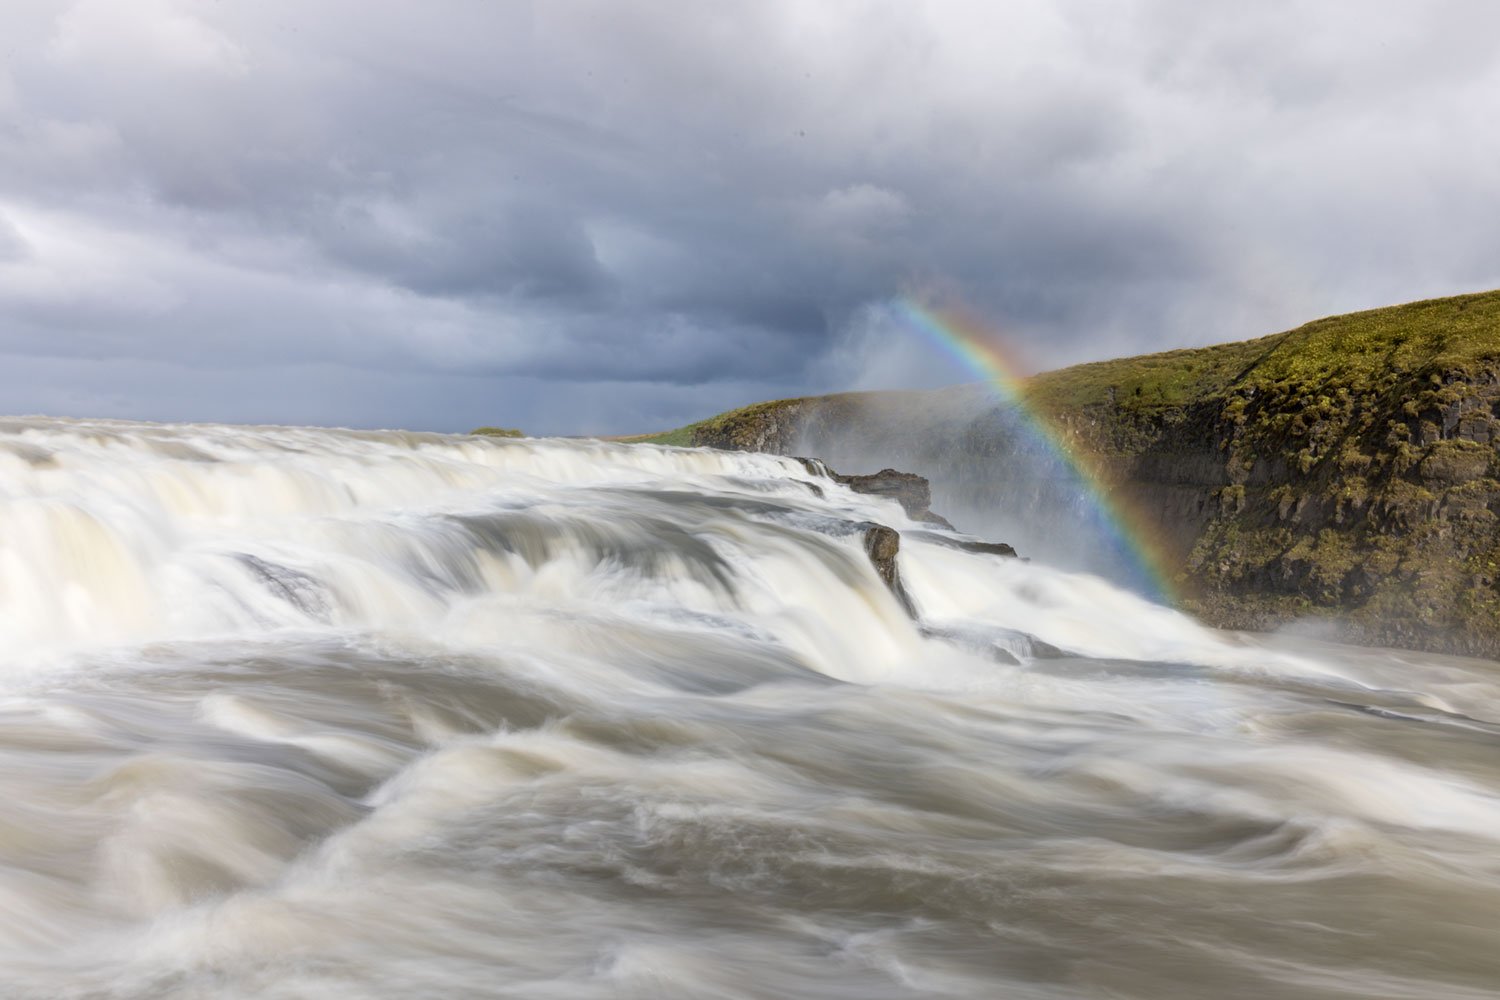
(1347, 469)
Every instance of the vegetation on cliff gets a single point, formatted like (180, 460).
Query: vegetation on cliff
(739, 430)
(1365, 354)
(1347, 467)
(1358, 458)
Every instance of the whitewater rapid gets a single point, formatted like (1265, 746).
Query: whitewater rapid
(299, 713)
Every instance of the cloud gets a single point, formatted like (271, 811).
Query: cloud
(596, 217)
(98, 31)
(13, 245)
(860, 209)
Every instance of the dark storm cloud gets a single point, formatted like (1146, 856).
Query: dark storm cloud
(586, 216)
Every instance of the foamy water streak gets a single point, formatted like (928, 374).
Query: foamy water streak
(301, 713)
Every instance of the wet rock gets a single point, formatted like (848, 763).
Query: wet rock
(814, 466)
(910, 490)
(975, 545)
(1001, 645)
(985, 548)
(881, 545)
(301, 590)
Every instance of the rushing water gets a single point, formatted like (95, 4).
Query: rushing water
(302, 713)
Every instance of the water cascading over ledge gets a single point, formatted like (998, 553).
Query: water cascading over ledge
(293, 712)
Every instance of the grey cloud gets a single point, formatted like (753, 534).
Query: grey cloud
(468, 250)
(303, 393)
(700, 204)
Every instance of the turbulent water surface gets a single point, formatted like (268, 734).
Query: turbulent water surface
(299, 713)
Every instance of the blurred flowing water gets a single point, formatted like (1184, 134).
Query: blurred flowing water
(300, 713)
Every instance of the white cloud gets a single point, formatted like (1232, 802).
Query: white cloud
(142, 33)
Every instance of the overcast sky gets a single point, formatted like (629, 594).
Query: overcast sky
(619, 216)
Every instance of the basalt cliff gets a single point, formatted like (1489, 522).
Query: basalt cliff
(1345, 471)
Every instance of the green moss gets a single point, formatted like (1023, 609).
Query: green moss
(739, 428)
(731, 429)
(1376, 351)
(1347, 467)
(748, 426)
(1334, 556)
(681, 437)
(1326, 370)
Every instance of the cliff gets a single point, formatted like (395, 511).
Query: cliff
(1345, 470)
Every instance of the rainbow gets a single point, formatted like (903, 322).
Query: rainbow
(1136, 542)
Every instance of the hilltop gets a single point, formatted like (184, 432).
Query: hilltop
(1346, 469)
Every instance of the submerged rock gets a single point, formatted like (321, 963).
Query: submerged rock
(882, 543)
(1002, 645)
(975, 545)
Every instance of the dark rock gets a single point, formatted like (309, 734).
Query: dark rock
(974, 545)
(910, 490)
(1006, 646)
(814, 466)
(881, 545)
(987, 548)
(296, 588)
(1455, 462)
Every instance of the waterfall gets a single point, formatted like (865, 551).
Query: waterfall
(292, 712)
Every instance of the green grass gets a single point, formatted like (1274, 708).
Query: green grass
(732, 425)
(737, 427)
(499, 432)
(1349, 463)
(1370, 351)
(680, 437)
(1394, 352)
(1171, 378)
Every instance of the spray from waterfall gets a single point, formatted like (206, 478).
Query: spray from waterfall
(290, 712)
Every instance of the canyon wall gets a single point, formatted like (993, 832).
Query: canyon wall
(1345, 473)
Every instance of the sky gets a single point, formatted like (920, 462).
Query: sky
(609, 217)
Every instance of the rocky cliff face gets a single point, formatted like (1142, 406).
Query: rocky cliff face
(1377, 511)
(1345, 471)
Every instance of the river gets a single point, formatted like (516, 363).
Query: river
(300, 713)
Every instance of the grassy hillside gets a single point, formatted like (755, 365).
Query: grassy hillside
(1346, 467)
(1365, 353)
(735, 429)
